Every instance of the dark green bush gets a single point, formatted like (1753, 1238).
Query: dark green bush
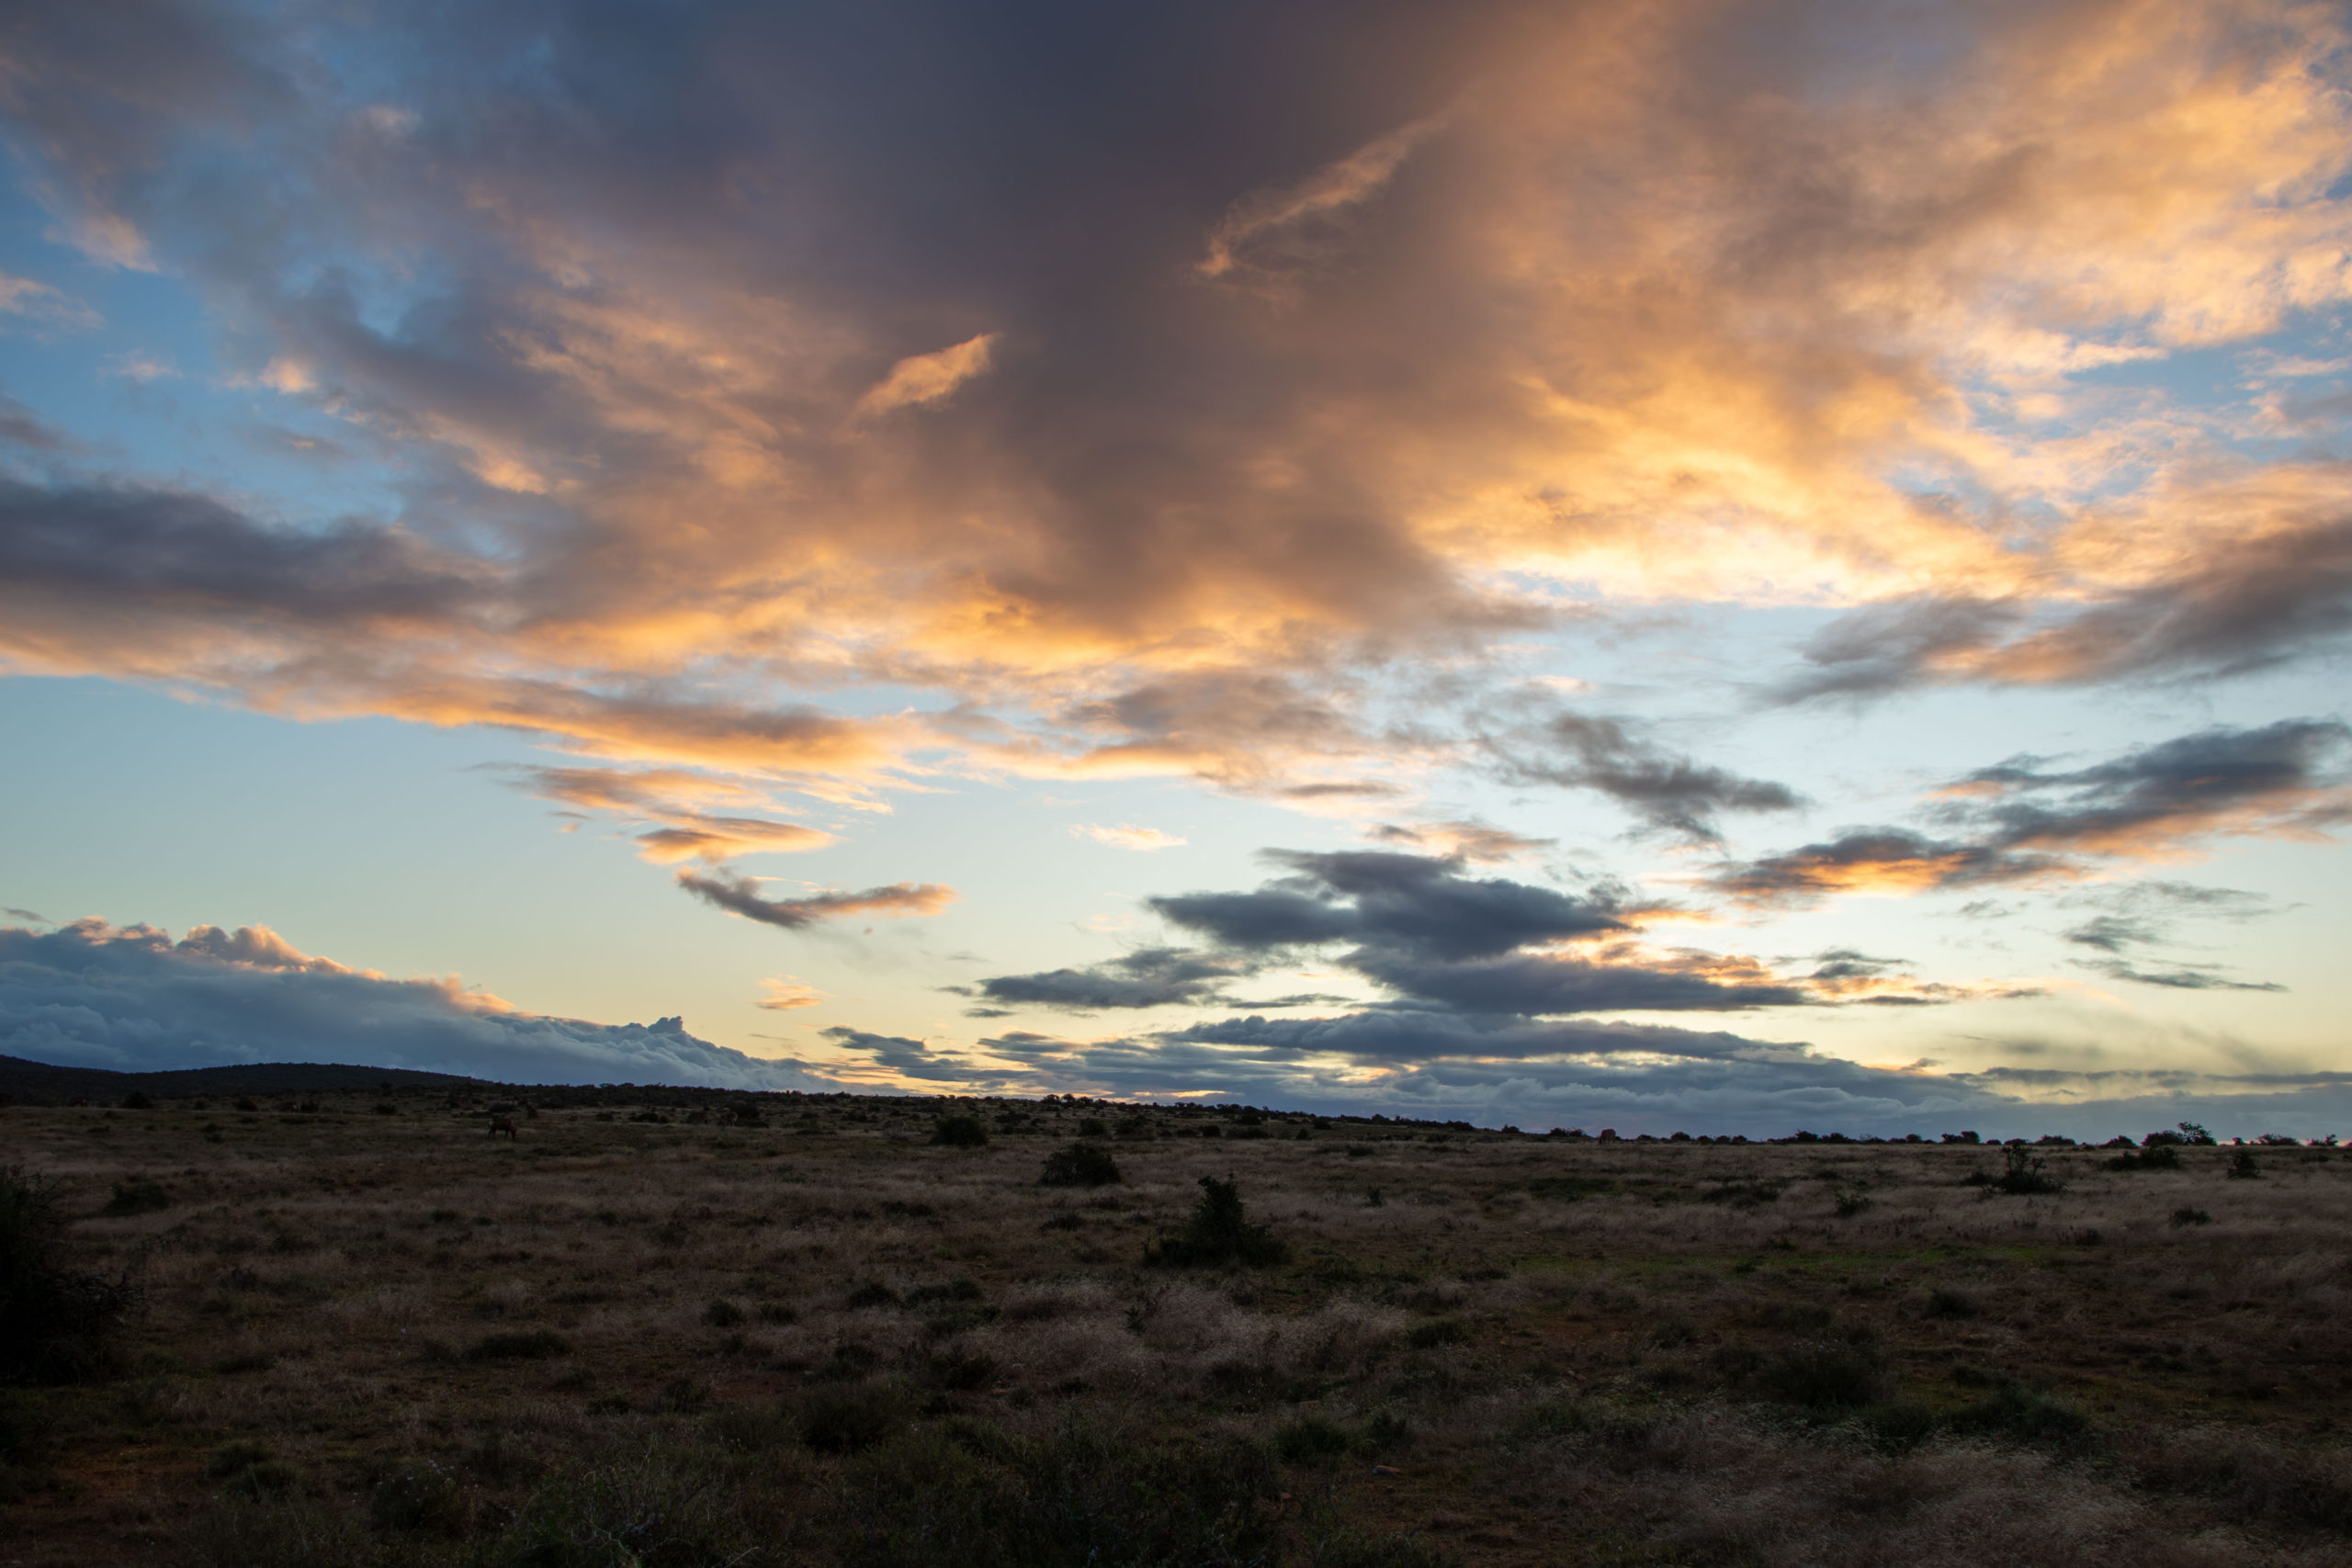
(658, 1507)
(845, 1418)
(1080, 1165)
(1092, 1127)
(1824, 1374)
(1310, 1438)
(417, 1499)
(137, 1196)
(1219, 1231)
(56, 1323)
(2244, 1167)
(1950, 1304)
(2156, 1156)
(2021, 1414)
(959, 1132)
(1436, 1332)
(2187, 1216)
(724, 1313)
(2022, 1173)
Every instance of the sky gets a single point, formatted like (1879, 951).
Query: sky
(1677, 566)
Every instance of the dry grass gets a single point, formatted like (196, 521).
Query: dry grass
(372, 1337)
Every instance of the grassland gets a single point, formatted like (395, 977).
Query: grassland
(369, 1332)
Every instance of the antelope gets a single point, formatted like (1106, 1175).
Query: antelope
(501, 1125)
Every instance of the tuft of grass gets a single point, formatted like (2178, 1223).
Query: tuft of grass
(2186, 1215)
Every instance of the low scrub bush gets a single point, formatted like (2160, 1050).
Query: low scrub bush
(1219, 1231)
(2021, 1414)
(137, 1196)
(1824, 1374)
(2156, 1156)
(847, 1418)
(1080, 1165)
(959, 1132)
(56, 1323)
(2022, 1173)
(662, 1504)
(1081, 1497)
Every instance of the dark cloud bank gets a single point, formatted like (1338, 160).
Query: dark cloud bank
(131, 999)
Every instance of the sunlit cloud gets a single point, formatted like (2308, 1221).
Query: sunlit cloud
(787, 996)
(1126, 837)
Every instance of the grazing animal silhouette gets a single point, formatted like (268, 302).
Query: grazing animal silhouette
(501, 1125)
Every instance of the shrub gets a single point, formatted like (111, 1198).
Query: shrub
(1080, 1165)
(1080, 1496)
(1312, 1437)
(2022, 1415)
(417, 1499)
(1092, 1127)
(2156, 1156)
(137, 1196)
(1950, 1304)
(724, 1313)
(1436, 1332)
(1219, 1231)
(525, 1344)
(845, 1418)
(55, 1324)
(2022, 1172)
(959, 1132)
(2187, 1216)
(1824, 1374)
(2244, 1167)
(662, 1504)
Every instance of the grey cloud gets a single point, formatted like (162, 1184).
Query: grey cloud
(739, 895)
(1156, 977)
(2260, 600)
(132, 1000)
(1668, 794)
(2021, 822)
(1418, 902)
(144, 551)
(2285, 772)
(1554, 983)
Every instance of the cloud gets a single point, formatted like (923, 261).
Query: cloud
(739, 895)
(1667, 794)
(1473, 841)
(1271, 238)
(1440, 940)
(2144, 915)
(1602, 304)
(928, 377)
(131, 999)
(677, 798)
(1127, 838)
(1417, 903)
(1156, 977)
(42, 307)
(787, 996)
(2021, 822)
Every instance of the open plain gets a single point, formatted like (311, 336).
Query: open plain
(693, 1327)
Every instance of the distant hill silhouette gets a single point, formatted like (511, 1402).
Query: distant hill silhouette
(38, 1083)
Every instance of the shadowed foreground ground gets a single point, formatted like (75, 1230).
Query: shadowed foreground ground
(371, 1334)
